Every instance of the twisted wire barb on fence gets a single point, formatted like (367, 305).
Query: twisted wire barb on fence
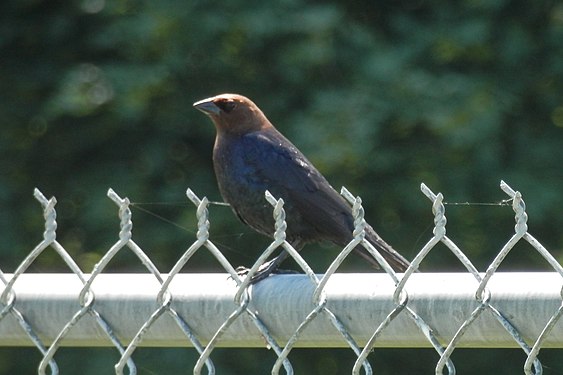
(244, 310)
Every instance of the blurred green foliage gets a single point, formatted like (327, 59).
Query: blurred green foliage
(380, 95)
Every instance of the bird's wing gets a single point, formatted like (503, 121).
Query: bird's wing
(288, 174)
(315, 211)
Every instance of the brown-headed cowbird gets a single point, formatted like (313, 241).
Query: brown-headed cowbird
(250, 156)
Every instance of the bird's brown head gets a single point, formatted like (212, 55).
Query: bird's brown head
(233, 114)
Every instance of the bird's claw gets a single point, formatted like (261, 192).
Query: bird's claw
(242, 270)
(265, 270)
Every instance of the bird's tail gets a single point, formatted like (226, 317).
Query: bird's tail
(396, 260)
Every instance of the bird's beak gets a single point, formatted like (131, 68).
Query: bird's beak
(207, 106)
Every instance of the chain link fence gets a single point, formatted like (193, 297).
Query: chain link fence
(362, 312)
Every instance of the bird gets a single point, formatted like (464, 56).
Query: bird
(251, 156)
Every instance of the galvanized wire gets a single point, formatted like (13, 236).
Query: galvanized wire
(482, 295)
(247, 308)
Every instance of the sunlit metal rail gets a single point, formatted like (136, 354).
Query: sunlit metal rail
(361, 300)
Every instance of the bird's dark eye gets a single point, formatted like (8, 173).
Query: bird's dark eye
(226, 105)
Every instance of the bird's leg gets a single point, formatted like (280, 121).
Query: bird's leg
(266, 269)
(271, 266)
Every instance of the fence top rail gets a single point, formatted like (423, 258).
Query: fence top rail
(443, 300)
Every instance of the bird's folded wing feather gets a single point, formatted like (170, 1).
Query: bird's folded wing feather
(289, 174)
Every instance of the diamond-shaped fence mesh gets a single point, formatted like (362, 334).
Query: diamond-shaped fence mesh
(362, 312)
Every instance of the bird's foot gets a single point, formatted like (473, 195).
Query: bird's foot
(264, 271)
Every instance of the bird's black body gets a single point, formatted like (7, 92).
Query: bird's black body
(251, 156)
(248, 165)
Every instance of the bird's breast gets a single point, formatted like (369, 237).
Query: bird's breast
(242, 186)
